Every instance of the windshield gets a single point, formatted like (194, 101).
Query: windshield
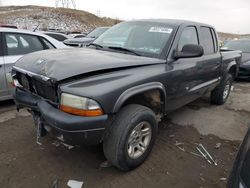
(242, 45)
(97, 32)
(141, 37)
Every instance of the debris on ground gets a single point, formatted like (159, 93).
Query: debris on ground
(67, 146)
(223, 179)
(206, 154)
(105, 164)
(178, 145)
(56, 143)
(55, 184)
(75, 184)
(217, 146)
(196, 154)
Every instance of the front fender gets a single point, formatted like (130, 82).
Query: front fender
(136, 90)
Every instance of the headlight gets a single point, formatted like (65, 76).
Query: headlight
(79, 105)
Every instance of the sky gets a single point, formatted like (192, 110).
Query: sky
(226, 15)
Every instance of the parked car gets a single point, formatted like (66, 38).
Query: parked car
(117, 90)
(244, 46)
(80, 36)
(240, 174)
(14, 44)
(8, 26)
(73, 34)
(58, 36)
(84, 41)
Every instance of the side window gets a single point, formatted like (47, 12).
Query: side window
(19, 44)
(206, 39)
(11, 41)
(47, 43)
(57, 37)
(188, 36)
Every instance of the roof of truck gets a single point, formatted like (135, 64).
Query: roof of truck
(174, 22)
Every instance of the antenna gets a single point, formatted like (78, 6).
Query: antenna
(65, 3)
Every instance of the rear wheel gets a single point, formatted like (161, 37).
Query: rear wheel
(221, 93)
(131, 137)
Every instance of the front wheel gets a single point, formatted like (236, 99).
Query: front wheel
(221, 93)
(131, 137)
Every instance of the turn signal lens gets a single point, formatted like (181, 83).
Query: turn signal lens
(79, 112)
(81, 106)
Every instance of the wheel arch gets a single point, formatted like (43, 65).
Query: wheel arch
(141, 90)
(233, 69)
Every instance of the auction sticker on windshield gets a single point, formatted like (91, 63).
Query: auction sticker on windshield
(161, 30)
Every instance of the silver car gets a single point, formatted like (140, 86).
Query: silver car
(14, 43)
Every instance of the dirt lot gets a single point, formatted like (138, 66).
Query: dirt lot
(25, 164)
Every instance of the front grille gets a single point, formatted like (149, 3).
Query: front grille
(39, 87)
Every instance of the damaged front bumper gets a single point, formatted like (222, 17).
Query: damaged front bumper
(71, 129)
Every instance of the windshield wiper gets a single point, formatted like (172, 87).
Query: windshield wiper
(124, 49)
(96, 45)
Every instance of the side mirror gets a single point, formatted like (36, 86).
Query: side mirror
(190, 50)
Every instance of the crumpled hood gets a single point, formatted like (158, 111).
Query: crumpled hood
(61, 64)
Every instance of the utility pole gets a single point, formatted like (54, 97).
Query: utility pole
(65, 3)
(98, 13)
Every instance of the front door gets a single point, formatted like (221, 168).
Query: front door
(185, 74)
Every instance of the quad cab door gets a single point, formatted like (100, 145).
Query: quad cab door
(189, 78)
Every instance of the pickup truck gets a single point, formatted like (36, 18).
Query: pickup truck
(116, 91)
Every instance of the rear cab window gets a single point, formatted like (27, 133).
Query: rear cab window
(207, 40)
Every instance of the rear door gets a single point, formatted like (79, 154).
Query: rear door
(211, 62)
(3, 85)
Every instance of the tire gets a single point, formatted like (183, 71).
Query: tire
(122, 136)
(221, 93)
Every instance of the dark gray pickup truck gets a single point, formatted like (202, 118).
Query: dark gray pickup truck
(117, 90)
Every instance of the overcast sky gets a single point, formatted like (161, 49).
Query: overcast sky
(226, 15)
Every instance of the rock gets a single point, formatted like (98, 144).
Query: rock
(223, 179)
(218, 145)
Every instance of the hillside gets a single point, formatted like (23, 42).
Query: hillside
(226, 36)
(28, 17)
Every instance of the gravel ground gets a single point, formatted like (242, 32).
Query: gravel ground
(25, 164)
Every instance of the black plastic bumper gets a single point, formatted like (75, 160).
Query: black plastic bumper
(244, 72)
(74, 130)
